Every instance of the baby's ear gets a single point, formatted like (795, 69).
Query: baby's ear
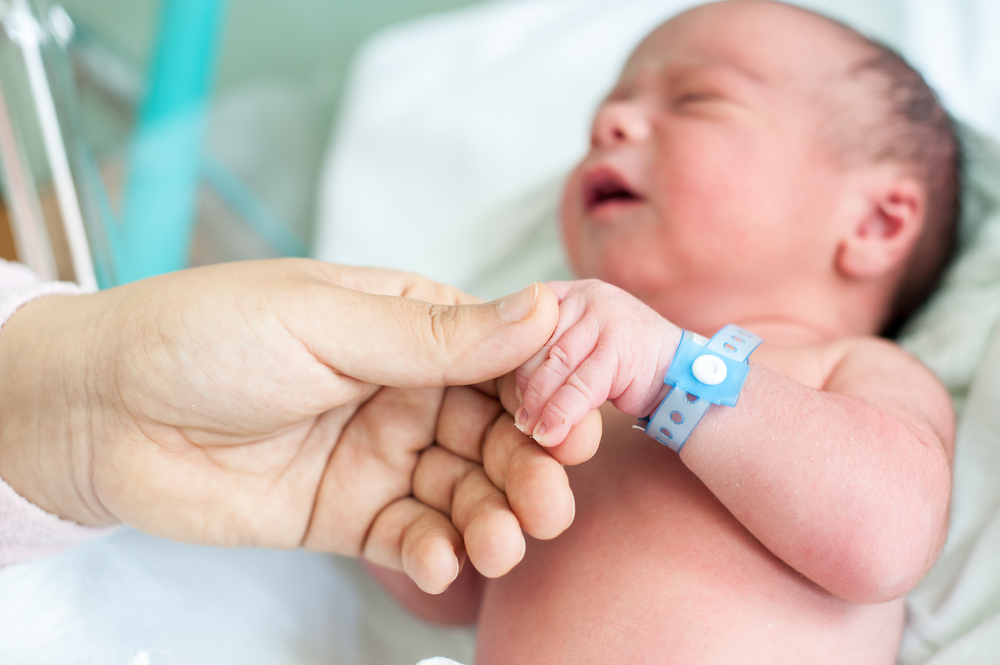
(884, 228)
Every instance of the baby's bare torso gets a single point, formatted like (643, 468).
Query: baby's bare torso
(655, 569)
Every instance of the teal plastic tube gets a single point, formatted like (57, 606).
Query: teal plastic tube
(165, 157)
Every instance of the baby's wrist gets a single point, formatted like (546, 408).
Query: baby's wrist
(660, 349)
(702, 373)
(670, 339)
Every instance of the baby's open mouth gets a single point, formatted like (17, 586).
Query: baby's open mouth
(603, 186)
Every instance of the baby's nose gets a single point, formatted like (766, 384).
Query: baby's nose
(620, 122)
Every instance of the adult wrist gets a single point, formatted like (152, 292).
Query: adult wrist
(46, 355)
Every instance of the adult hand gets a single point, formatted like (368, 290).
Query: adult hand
(206, 405)
(476, 478)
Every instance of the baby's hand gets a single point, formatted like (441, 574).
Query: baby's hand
(607, 345)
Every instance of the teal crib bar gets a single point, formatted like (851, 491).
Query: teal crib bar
(165, 157)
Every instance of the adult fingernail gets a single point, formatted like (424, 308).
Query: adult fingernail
(519, 306)
(458, 569)
(521, 419)
(518, 394)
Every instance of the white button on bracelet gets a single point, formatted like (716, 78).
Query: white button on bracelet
(710, 370)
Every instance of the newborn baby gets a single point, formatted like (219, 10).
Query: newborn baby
(760, 165)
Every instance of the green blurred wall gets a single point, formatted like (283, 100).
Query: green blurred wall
(263, 39)
(289, 38)
(300, 48)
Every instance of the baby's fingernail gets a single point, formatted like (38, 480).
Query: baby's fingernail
(518, 394)
(518, 306)
(521, 419)
(539, 432)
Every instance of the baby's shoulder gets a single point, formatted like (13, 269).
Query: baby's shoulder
(870, 368)
(869, 355)
(826, 364)
(882, 372)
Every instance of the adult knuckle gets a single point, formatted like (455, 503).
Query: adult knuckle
(444, 323)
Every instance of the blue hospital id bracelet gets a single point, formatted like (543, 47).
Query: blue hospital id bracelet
(703, 372)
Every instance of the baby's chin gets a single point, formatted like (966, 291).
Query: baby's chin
(630, 265)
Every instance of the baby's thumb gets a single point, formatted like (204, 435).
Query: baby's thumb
(409, 343)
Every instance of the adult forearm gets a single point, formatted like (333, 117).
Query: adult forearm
(838, 488)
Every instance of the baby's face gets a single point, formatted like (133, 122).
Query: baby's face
(707, 163)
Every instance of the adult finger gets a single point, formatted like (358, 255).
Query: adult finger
(371, 466)
(411, 343)
(438, 474)
(418, 540)
(479, 510)
(491, 532)
(467, 414)
(382, 281)
(536, 485)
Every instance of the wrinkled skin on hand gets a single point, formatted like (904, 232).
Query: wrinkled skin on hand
(240, 405)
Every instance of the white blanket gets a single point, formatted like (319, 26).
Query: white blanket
(956, 609)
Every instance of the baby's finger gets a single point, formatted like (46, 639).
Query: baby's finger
(418, 540)
(536, 485)
(583, 391)
(565, 357)
(570, 313)
(492, 533)
(579, 445)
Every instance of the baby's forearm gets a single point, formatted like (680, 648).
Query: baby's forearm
(840, 489)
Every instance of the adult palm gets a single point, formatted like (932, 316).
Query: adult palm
(241, 405)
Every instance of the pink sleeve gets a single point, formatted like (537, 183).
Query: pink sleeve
(26, 531)
(19, 286)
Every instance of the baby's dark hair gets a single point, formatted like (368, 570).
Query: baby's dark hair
(912, 128)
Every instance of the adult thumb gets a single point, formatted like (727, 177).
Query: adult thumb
(404, 342)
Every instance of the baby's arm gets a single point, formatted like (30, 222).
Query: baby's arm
(847, 483)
